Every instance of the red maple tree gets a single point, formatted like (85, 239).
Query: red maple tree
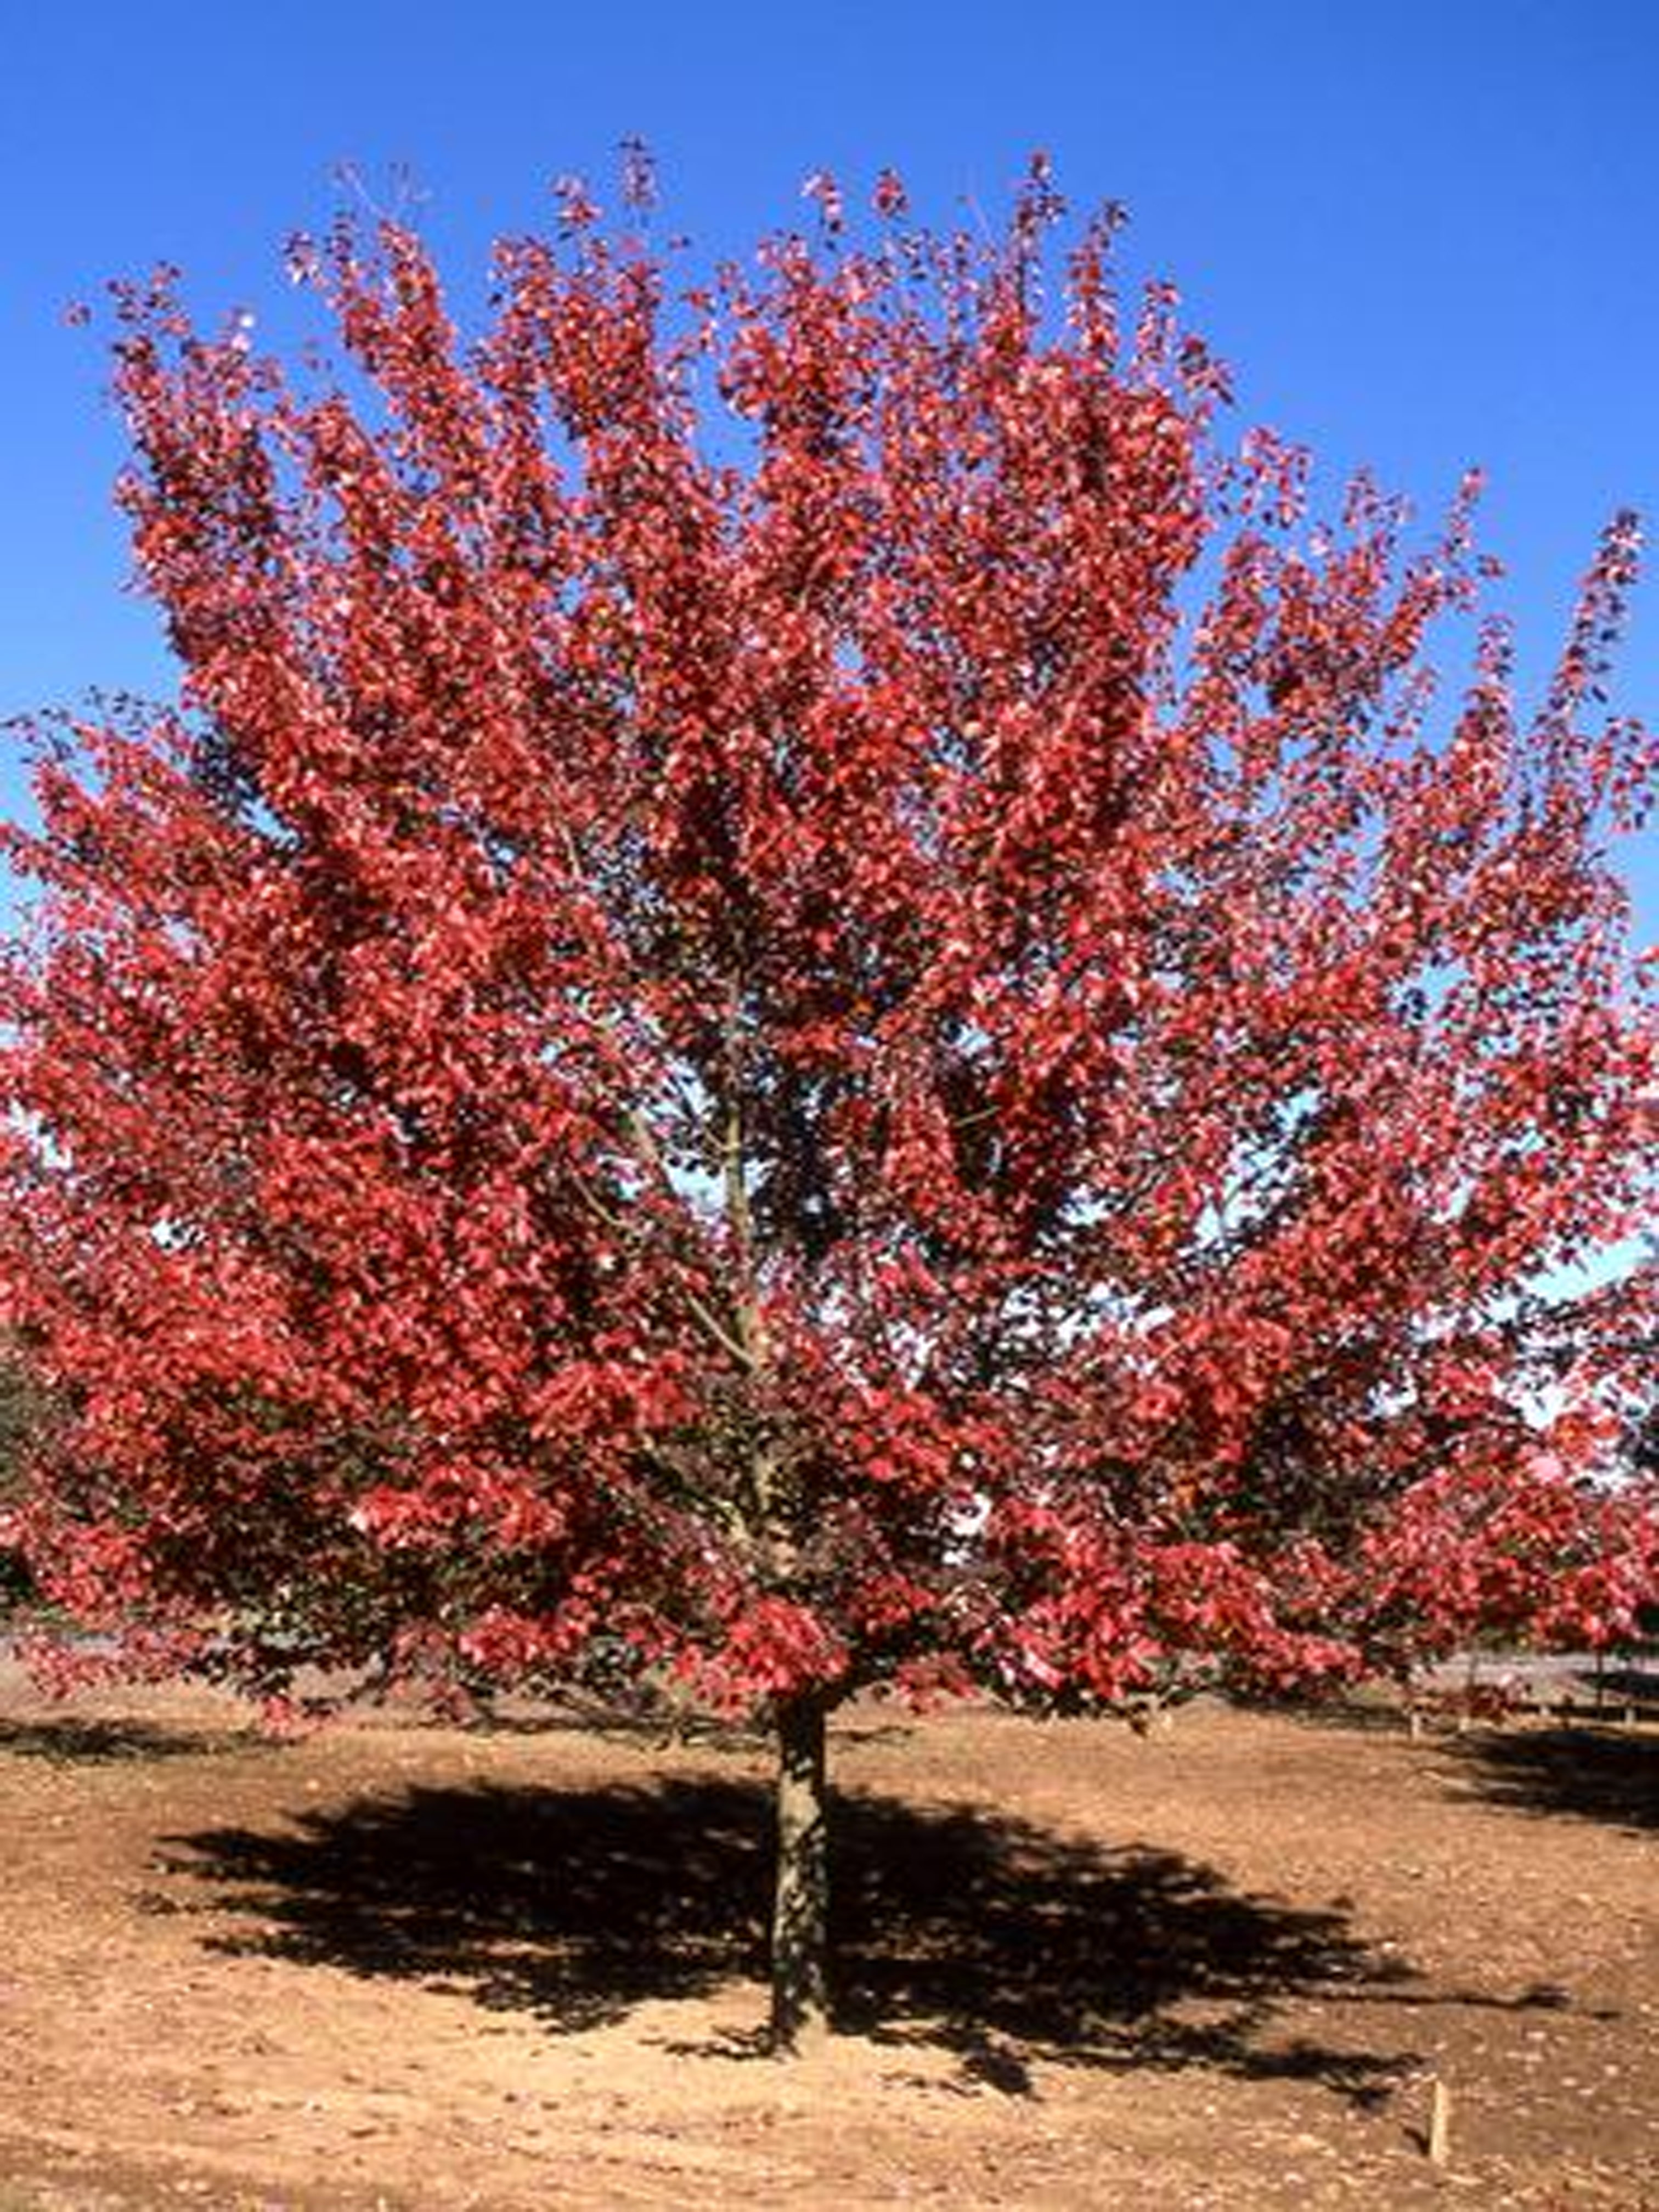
(806, 995)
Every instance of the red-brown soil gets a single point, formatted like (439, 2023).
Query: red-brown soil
(403, 1966)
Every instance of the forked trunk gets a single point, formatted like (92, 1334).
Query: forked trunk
(800, 1932)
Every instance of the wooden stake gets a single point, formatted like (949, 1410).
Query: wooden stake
(1440, 2112)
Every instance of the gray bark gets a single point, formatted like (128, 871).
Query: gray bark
(800, 1932)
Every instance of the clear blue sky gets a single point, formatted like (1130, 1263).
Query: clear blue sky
(1423, 233)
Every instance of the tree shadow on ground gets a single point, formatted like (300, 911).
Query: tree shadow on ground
(1597, 1774)
(1002, 1940)
(68, 1741)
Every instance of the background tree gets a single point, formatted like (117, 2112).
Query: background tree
(23, 1414)
(803, 987)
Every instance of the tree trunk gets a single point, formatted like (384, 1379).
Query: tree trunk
(800, 1932)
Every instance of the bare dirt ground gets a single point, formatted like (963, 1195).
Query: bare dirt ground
(400, 1965)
